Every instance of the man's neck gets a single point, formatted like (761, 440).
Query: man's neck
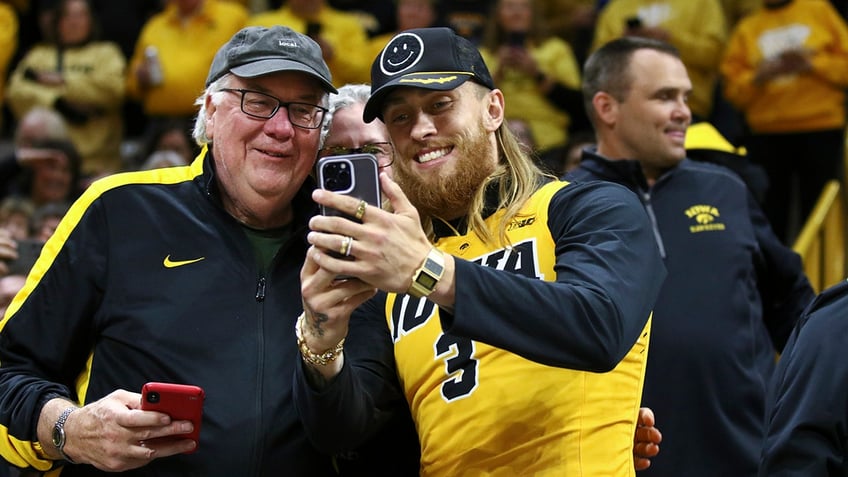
(652, 173)
(259, 214)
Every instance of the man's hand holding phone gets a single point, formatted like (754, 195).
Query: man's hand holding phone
(389, 246)
(112, 433)
(353, 175)
(349, 196)
(181, 402)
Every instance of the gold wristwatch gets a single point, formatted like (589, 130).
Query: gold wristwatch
(425, 279)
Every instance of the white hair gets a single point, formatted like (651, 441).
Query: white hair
(213, 90)
(349, 94)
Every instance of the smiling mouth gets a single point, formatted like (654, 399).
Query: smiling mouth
(271, 153)
(434, 154)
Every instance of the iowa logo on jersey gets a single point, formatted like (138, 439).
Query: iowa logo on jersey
(522, 259)
(409, 313)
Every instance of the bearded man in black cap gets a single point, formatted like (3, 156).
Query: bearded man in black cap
(518, 306)
(186, 275)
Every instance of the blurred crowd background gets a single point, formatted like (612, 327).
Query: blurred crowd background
(94, 87)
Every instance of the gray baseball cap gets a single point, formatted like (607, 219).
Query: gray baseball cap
(257, 51)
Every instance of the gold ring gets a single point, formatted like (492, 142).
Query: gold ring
(347, 246)
(360, 210)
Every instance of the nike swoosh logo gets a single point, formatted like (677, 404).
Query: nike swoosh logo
(171, 264)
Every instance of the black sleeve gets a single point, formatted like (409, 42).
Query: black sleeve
(46, 335)
(608, 274)
(806, 416)
(364, 396)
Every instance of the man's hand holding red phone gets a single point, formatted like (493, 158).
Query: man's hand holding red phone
(181, 402)
(115, 433)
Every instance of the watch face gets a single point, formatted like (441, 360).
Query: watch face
(58, 436)
(426, 281)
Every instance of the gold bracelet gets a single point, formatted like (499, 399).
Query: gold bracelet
(308, 355)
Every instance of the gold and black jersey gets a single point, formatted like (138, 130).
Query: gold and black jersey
(483, 410)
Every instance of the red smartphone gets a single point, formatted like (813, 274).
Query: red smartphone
(183, 402)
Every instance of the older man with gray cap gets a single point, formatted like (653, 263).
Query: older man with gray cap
(184, 275)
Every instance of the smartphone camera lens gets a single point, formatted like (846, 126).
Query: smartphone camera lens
(153, 397)
(337, 176)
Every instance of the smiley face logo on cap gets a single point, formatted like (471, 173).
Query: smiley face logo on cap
(402, 53)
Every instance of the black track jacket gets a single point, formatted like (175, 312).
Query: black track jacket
(149, 279)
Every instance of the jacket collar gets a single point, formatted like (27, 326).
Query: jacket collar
(625, 171)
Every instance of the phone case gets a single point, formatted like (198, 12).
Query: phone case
(182, 402)
(356, 175)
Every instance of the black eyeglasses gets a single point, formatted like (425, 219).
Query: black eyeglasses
(264, 106)
(383, 151)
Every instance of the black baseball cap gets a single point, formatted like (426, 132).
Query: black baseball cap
(430, 58)
(257, 51)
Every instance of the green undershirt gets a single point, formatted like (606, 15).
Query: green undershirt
(266, 243)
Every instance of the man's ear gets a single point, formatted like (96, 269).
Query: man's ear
(606, 108)
(210, 115)
(494, 114)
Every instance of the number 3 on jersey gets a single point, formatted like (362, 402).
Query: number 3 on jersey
(460, 366)
(409, 314)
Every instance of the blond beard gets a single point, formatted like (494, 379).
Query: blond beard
(449, 197)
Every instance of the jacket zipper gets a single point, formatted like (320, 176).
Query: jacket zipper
(646, 200)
